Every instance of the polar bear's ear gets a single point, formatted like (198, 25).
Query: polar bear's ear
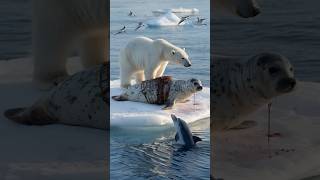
(173, 52)
(184, 49)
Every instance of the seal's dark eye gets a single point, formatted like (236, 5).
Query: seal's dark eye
(183, 58)
(291, 69)
(196, 84)
(274, 70)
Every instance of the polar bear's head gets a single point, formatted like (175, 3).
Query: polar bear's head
(172, 53)
(179, 56)
(242, 8)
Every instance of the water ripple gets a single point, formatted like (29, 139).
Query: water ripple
(160, 159)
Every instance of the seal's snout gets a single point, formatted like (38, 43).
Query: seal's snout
(292, 82)
(199, 88)
(286, 85)
(256, 11)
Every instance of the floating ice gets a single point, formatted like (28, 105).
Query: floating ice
(168, 19)
(190, 11)
(136, 114)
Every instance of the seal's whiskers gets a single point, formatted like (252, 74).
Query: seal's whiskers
(269, 122)
(194, 102)
(269, 128)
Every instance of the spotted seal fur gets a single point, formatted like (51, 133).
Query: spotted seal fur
(81, 100)
(162, 90)
(240, 88)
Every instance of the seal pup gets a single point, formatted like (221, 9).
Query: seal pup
(183, 135)
(162, 90)
(241, 88)
(80, 100)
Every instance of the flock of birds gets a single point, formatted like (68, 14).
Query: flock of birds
(200, 21)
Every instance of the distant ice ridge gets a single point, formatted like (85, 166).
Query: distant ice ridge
(191, 11)
(136, 114)
(168, 19)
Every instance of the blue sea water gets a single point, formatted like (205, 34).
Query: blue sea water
(15, 29)
(150, 153)
(194, 38)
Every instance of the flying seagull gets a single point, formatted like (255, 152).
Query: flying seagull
(122, 30)
(140, 24)
(183, 19)
(131, 14)
(200, 20)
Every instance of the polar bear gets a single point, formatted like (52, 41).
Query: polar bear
(242, 8)
(62, 26)
(147, 59)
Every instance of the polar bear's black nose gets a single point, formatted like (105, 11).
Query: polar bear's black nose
(187, 64)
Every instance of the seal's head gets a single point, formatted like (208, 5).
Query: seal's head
(241, 8)
(195, 85)
(274, 74)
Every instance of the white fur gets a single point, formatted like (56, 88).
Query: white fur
(60, 26)
(147, 59)
(242, 8)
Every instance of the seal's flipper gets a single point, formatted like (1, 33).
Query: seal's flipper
(120, 98)
(245, 125)
(168, 106)
(196, 139)
(35, 116)
(176, 137)
(13, 114)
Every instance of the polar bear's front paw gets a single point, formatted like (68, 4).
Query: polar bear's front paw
(168, 105)
(42, 85)
(58, 80)
(167, 108)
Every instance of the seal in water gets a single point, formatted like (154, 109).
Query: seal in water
(162, 90)
(184, 135)
(241, 88)
(80, 100)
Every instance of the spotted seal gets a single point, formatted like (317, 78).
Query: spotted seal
(162, 90)
(240, 88)
(81, 100)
